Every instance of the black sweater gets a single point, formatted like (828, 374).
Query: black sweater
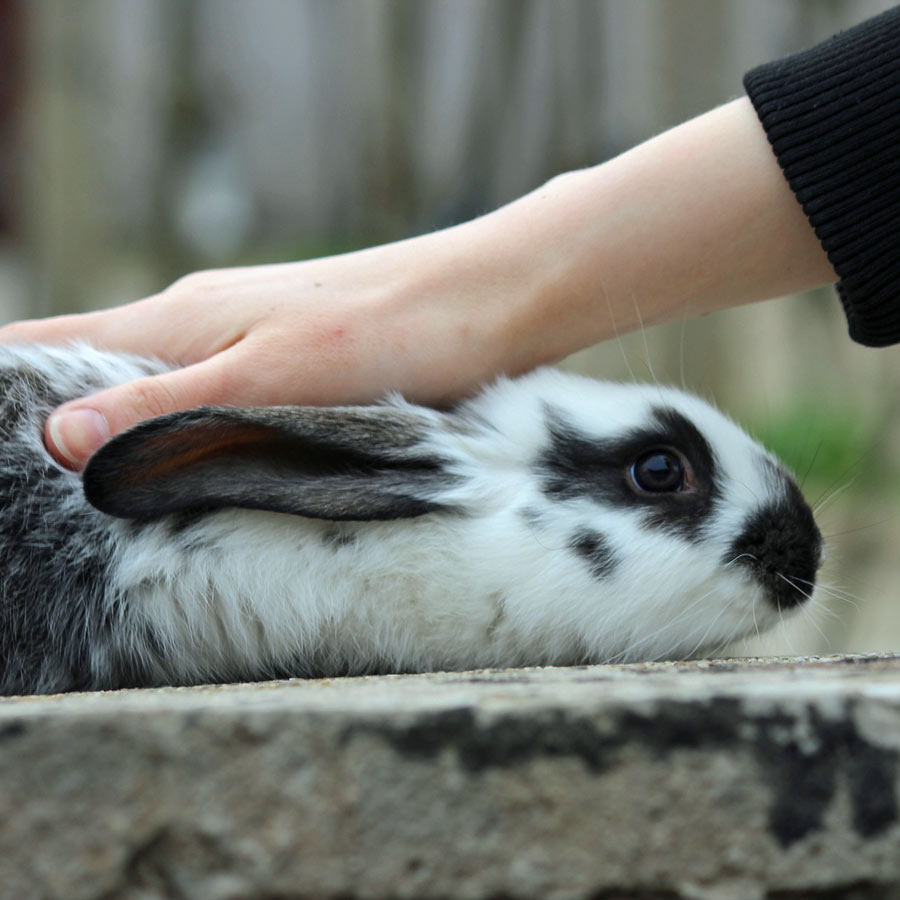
(832, 115)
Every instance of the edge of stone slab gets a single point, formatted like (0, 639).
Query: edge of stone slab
(711, 677)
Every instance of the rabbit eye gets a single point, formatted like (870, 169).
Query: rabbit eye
(658, 472)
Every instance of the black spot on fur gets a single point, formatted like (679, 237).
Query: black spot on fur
(593, 547)
(531, 517)
(781, 545)
(185, 520)
(338, 538)
(186, 528)
(575, 465)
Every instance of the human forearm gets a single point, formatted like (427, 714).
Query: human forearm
(696, 219)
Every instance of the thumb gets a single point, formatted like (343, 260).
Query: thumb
(78, 428)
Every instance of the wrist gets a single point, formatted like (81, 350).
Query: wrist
(548, 250)
(694, 220)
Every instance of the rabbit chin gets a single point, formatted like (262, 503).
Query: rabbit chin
(702, 621)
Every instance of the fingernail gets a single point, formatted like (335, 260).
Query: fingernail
(79, 433)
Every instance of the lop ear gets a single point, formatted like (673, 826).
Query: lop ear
(350, 463)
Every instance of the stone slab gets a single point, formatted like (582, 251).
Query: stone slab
(726, 780)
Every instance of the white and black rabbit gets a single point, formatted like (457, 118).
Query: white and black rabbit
(551, 519)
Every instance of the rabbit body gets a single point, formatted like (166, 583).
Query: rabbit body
(221, 544)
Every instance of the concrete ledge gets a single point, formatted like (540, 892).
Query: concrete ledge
(744, 779)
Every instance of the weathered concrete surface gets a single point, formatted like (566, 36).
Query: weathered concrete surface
(748, 779)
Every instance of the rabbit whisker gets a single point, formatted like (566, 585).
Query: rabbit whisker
(812, 462)
(840, 478)
(841, 594)
(643, 333)
(709, 628)
(740, 556)
(666, 627)
(820, 504)
(619, 342)
(755, 621)
(739, 629)
(681, 343)
(836, 534)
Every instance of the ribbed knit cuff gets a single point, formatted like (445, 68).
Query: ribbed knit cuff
(832, 115)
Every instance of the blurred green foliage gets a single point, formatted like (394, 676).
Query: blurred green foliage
(829, 445)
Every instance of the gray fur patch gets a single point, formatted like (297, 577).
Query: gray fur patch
(62, 622)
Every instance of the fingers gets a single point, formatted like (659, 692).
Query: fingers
(100, 328)
(77, 429)
(149, 327)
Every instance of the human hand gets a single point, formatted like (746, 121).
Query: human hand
(344, 329)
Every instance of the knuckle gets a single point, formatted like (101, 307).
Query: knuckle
(194, 283)
(151, 397)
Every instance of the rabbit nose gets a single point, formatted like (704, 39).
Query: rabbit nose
(782, 547)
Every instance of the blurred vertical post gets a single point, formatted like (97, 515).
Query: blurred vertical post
(13, 297)
(11, 60)
(100, 100)
(60, 211)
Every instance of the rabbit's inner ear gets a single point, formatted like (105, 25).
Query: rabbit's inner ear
(188, 462)
(162, 454)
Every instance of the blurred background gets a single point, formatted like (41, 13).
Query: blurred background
(143, 139)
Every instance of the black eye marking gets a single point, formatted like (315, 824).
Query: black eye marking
(575, 465)
(594, 548)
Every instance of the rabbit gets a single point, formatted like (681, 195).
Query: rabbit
(549, 520)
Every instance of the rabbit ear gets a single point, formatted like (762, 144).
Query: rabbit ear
(352, 463)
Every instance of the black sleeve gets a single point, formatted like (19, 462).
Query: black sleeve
(832, 115)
